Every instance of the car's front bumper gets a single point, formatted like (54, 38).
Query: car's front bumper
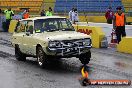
(69, 51)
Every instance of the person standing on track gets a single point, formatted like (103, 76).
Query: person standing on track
(49, 13)
(8, 14)
(23, 11)
(42, 13)
(70, 14)
(119, 23)
(26, 14)
(75, 17)
(109, 15)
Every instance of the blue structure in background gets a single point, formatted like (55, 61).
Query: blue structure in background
(86, 5)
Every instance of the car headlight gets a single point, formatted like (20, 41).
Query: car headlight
(53, 44)
(86, 42)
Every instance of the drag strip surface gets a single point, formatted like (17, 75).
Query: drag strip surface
(63, 73)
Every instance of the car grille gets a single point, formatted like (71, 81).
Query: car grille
(71, 43)
(71, 47)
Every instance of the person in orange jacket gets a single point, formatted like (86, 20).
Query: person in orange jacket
(119, 23)
(26, 14)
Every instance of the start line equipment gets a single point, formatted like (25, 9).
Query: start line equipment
(113, 39)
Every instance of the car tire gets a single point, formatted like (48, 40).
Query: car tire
(41, 57)
(18, 54)
(85, 58)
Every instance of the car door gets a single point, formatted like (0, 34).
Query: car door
(18, 35)
(28, 38)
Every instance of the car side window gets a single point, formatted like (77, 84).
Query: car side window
(53, 24)
(29, 27)
(38, 26)
(20, 27)
(64, 24)
(50, 25)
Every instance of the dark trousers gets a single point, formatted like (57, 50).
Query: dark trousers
(7, 24)
(120, 32)
(109, 21)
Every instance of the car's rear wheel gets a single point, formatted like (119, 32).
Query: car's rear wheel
(41, 57)
(85, 58)
(18, 54)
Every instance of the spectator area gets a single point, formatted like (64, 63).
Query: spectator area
(127, 5)
(34, 5)
(48, 3)
(64, 6)
(86, 5)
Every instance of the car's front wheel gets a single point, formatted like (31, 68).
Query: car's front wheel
(85, 58)
(41, 57)
(18, 54)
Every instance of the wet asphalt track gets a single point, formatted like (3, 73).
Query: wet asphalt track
(64, 73)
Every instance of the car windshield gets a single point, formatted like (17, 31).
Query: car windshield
(52, 24)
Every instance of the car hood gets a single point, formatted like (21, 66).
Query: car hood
(62, 35)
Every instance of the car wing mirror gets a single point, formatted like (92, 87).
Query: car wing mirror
(28, 33)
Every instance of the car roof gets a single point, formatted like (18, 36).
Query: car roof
(44, 17)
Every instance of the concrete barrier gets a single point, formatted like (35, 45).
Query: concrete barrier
(12, 26)
(96, 33)
(98, 19)
(125, 45)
